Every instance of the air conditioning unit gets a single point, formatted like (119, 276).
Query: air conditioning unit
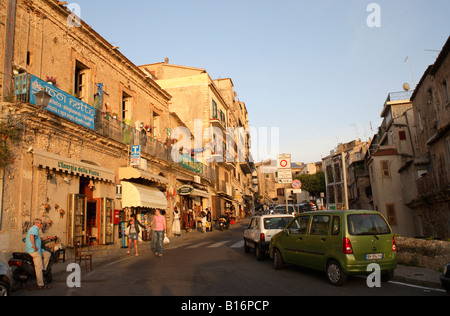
(143, 164)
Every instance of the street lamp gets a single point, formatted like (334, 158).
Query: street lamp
(42, 98)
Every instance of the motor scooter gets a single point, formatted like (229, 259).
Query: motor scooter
(22, 264)
(224, 223)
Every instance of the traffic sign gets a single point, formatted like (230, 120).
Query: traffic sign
(296, 184)
(135, 155)
(284, 161)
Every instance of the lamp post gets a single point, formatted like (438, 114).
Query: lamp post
(42, 98)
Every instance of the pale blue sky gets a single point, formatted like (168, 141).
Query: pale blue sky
(313, 69)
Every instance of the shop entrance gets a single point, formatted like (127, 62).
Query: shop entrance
(91, 220)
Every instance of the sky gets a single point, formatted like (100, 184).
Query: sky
(311, 73)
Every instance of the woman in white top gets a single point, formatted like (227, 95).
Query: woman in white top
(176, 229)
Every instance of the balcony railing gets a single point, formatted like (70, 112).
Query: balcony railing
(105, 124)
(425, 184)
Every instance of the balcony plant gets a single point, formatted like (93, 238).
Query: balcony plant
(51, 80)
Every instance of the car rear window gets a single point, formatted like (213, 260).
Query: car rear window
(276, 222)
(367, 224)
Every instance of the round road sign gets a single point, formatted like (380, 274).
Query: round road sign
(296, 184)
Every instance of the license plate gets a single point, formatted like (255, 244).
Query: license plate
(374, 256)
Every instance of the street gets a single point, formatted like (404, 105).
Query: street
(211, 264)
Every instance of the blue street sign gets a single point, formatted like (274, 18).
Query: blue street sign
(135, 155)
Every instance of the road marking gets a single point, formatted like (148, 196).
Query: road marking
(238, 245)
(198, 245)
(417, 286)
(221, 243)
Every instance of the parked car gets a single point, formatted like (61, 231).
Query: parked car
(261, 229)
(281, 209)
(6, 280)
(445, 278)
(339, 243)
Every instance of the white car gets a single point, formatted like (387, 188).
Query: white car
(6, 280)
(261, 229)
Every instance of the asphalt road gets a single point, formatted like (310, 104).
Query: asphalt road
(213, 265)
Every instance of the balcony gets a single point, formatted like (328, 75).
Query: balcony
(102, 123)
(426, 184)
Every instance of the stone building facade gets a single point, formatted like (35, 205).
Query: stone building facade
(75, 164)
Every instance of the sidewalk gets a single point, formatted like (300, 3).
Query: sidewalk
(406, 274)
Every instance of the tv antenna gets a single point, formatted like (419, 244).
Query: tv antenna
(412, 74)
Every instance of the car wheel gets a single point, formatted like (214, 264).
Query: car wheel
(387, 276)
(277, 260)
(259, 253)
(335, 275)
(5, 289)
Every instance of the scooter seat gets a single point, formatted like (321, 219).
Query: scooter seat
(22, 256)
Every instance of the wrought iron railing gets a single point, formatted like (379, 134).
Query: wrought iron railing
(110, 127)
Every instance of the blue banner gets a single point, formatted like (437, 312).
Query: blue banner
(63, 104)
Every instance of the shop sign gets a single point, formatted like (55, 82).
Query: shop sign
(63, 104)
(191, 164)
(185, 190)
(78, 169)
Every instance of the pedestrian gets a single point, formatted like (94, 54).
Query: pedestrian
(208, 220)
(41, 258)
(133, 233)
(158, 233)
(176, 229)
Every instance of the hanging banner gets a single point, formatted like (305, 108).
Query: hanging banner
(63, 104)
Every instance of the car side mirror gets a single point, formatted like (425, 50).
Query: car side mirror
(287, 232)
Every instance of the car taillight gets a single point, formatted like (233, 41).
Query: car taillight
(262, 237)
(15, 263)
(347, 246)
(394, 246)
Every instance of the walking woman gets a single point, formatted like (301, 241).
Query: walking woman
(133, 226)
(159, 232)
(176, 223)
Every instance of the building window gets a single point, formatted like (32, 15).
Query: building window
(157, 125)
(445, 92)
(385, 169)
(391, 214)
(126, 108)
(81, 81)
(402, 135)
(214, 110)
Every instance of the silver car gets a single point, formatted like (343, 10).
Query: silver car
(6, 280)
(261, 229)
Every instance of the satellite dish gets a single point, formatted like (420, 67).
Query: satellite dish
(406, 87)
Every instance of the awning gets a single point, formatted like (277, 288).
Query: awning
(133, 173)
(55, 162)
(136, 195)
(201, 193)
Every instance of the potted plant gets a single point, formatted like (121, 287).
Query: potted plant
(51, 80)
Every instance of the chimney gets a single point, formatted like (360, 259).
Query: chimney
(166, 60)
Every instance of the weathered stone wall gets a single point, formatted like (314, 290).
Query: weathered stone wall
(431, 254)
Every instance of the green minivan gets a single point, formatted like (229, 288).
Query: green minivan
(339, 243)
